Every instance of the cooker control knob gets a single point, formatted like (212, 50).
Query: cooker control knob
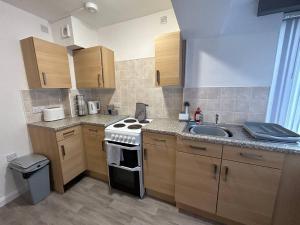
(121, 138)
(133, 140)
(112, 136)
(125, 138)
(116, 137)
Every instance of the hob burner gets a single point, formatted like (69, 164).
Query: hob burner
(144, 121)
(135, 127)
(119, 125)
(130, 121)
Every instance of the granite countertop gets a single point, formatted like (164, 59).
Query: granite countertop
(240, 138)
(99, 120)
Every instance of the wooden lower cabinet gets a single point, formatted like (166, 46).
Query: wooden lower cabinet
(64, 149)
(159, 165)
(247, 193)
(197, 179)
(94, 144)
(72, 157)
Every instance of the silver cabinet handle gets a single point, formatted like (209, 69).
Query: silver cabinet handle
(44, 75)
(160, 140)
(69, 133)
(251, 155)
(99, 82)
(198, 148)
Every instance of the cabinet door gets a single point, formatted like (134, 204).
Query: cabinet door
(159, 166)
(72, 157)
(108, 65)
(247, 193)
(197, 179)
(53, 64)
(168, 59)
(88, 68)
(94, 147)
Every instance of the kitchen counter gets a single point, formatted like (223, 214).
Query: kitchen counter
(240, 138)
(99, 120)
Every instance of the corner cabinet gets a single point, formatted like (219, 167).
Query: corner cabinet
(94, 67)
(46, 64)
(168, 59)
(94, 143)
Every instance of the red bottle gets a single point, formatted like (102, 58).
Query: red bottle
(198, 116)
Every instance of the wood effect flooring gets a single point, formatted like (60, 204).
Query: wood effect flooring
(90, 203)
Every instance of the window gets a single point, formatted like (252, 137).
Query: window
(284, 102)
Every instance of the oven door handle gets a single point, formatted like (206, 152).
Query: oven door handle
(134, 148)
(126, 168)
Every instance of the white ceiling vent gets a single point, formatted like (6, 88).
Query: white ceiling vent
(163, 20)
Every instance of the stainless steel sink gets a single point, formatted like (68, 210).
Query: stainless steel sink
(211, 130)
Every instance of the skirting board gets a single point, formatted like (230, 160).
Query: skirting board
(11, 196)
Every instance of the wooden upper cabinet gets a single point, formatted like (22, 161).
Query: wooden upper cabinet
(46, 64)
(247, 193)
(94, 68)
(168, 59)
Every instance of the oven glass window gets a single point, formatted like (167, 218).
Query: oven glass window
(130, 158)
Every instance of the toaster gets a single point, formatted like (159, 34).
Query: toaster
(54, 113)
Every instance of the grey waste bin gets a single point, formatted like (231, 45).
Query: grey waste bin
(34, 169)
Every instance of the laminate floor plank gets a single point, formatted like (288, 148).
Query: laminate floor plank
(89, 202)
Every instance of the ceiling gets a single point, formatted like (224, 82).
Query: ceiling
(110, 11)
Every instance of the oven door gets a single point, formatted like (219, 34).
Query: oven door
(124, 179)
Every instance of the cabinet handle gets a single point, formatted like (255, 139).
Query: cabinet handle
(99, 82)
(215, 171)
(226, 173)
(251, 155)
(103, 146)
(198, 148)
(102, 78)
(160, 140)
(63, 151)
(93, 130)
(44, 75)
(145, 154)
(69, 133)
(158, 77)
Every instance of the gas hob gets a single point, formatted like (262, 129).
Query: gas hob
(126, 131)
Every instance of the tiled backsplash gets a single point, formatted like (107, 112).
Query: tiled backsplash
(233, 104)
(44, 98)
(135, 83)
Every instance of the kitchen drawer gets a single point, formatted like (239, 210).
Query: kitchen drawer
(157, 139)
(67, 133)
(199, 148)
(255, 157)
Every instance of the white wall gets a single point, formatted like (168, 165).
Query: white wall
(227, 44)
(134, 39)
(15, 25)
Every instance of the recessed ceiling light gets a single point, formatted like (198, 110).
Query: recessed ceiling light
(91, 7)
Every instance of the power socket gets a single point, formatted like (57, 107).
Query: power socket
(10, 157)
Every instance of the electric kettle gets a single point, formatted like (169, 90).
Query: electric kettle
(94, 107)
